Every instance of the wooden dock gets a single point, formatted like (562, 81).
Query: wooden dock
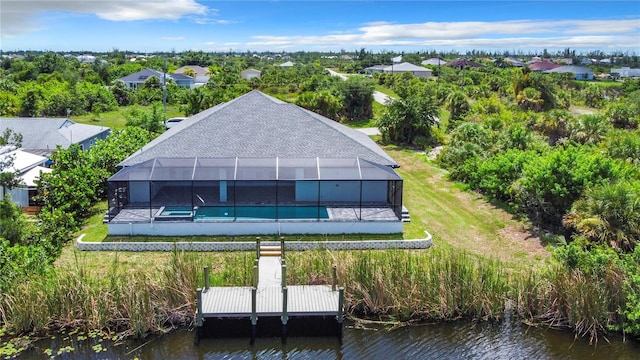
(271, 299)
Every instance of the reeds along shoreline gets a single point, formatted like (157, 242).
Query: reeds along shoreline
(392, 284)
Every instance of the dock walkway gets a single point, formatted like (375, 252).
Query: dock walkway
(270, 297)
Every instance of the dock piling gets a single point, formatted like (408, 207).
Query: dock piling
(256, 273)
(282, 248)
(199, 304)
(340, 311)
(285, 314)
(206, 278)
(335, 277)
(284, 276)
(254, 315)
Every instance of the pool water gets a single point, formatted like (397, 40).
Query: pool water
(260, 212)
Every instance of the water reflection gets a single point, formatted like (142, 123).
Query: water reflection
(459, 340)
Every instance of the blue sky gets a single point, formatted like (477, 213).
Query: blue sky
(285, 25)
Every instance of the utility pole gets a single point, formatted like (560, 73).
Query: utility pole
(164, 92)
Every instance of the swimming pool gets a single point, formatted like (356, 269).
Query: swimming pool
(230, 213)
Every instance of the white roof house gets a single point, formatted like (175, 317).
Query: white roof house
(28, 167)
(250, 73)
(626, 72)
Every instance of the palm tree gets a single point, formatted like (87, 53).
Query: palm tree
(610, 214)
(589, 129)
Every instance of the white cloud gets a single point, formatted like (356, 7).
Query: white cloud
(18, 16)
(502, 34)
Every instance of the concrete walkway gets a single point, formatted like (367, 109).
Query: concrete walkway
(269, 272)
(370, 131)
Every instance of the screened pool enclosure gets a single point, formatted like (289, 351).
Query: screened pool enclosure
(214, 190)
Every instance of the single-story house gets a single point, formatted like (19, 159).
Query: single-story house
(626, 72)
(405, 67)
(579, 72)
(286, 64)
(514, 62)
(256, 165)
(201, 73)
(542, 65)
(138, 78)
(433, 62)
(42, 135)
(250, 74)
(461, 63)
(375, 69)
(28, 166)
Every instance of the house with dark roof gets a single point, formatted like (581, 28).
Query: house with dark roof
(41, 136)
(138, 78)
(461, 63)
(256, 165)
(542, 65)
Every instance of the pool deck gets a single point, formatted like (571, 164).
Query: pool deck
(144, 215)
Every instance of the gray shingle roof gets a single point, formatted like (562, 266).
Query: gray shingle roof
(47, 133)
(258, 125)
(405, 66)
(142, 75)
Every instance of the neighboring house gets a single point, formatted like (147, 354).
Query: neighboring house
(514, 62)
(28, 167)
(433, 62)
(566, 61)
(397, 59)
(256, 165)
(461, 63)
(405, 67)
(138, 78)
(286, 64)
(375, 69)
(86, 58)
(626, 72)
(542, 66)
(42, 135)
(579, 72)
(250, 74)
(201, 73)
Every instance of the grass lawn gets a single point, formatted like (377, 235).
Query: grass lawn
(387, 91)
(115, 119)
(460, 219)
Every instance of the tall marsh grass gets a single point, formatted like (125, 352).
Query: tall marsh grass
(129, 302)
(442, 284)
(401, 285)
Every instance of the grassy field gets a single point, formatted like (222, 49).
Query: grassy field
(460, 219)
(116, 119)
(387, 91)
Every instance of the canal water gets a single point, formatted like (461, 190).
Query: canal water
(457, 340)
